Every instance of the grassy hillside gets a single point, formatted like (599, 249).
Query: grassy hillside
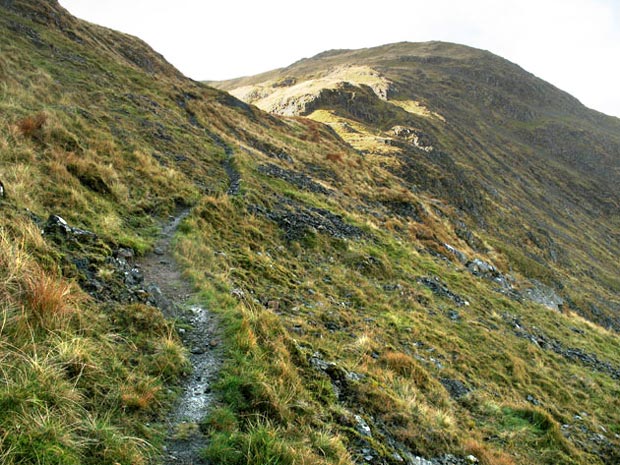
(375, 305)
(526, 163)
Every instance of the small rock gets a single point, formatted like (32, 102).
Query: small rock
(156, 297)
(158, 251)
(367, 453)
(421, 461)
(134, 277)
(471, 459)
(142, 294)
(544, 295)
(56, 223)
(480, 268)
(352, 376)
(532, 400)
(124, 253)
(362, 427)
(454, 387)
(460, 256)
(238, 293)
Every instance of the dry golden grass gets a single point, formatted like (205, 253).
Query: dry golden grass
(51, 301)
(335, 157)
(140, 393)
(31, 126)
(417, 108)
(406, 366)
(485, 455)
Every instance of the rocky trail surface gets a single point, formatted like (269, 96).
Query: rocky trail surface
(172, 293)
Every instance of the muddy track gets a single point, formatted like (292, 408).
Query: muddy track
(198, 329)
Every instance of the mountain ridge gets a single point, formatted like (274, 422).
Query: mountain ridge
(433, 49)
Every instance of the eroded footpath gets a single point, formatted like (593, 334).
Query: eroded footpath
(170, 292)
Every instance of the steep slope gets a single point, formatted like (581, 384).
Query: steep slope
(523, 160)
(364, 320)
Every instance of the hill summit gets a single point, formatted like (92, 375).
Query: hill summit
(399, 255)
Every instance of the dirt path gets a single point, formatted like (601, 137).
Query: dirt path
(171, 293)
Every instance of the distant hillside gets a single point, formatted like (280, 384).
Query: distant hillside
(526, 162)
(417, 264)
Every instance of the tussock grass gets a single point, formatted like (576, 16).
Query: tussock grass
(65, 377)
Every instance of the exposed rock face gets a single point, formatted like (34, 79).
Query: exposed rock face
(357, 100)
(295, 178)
(48, 12)
(543, 295)
(485, 270)
(58, 227)
(416, 137)
(296, 221)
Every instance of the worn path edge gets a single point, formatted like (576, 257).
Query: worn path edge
(173, 295)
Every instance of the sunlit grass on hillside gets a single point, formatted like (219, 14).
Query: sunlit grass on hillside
(398, 344)
(417, 108)
(82, 381)
(359, 135)
(68, 370)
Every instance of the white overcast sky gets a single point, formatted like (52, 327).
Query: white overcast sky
(574, 44)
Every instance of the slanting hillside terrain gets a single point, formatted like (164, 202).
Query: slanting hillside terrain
(531, 168)
(414, 262)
